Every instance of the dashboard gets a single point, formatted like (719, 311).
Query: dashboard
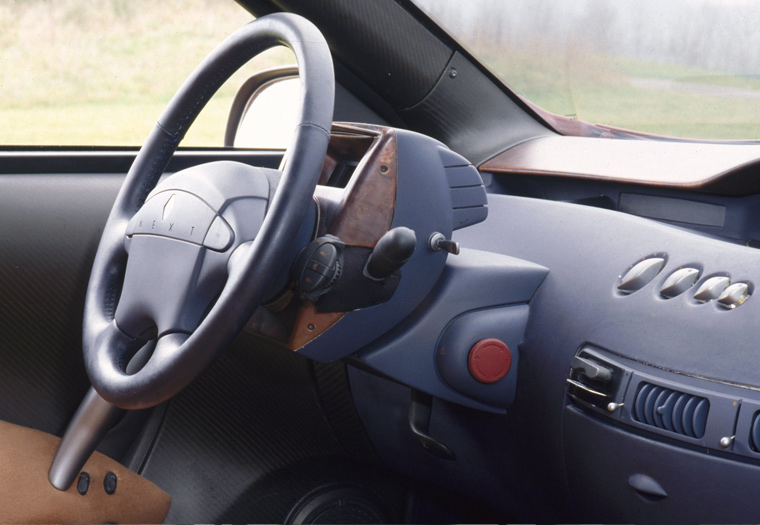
(625, 333)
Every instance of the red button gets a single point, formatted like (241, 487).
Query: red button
(490, 360)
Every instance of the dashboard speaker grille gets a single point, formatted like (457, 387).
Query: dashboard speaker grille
(671, 410)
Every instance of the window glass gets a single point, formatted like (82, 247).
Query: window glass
(686, 68)
(100, 72)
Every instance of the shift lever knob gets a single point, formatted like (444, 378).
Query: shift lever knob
(390, 253)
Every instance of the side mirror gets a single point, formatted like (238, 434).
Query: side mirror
(263, 113)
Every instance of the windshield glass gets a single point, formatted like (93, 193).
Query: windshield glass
(684, 68)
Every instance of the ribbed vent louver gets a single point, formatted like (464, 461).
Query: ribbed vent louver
(671, 410)
(468, 195)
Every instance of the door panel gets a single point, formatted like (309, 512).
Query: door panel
(53, 206)
(52, 226)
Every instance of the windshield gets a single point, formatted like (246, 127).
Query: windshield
(683, 68)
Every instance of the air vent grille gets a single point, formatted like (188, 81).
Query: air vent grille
(468, 195)
(684, 414)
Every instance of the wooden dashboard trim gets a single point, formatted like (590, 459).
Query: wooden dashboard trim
(365, 214)
(726, 168)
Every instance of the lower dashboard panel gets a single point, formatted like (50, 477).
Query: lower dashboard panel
(607, 483)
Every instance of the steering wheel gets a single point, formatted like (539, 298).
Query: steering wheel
(186, 263)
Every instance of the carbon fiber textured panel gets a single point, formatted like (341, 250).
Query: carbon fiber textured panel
(53, 205)
(331, 381)
(248, 429)
(51, 227)
(380, 42)
(470, 114)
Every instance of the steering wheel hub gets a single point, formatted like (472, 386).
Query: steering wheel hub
(180, 243)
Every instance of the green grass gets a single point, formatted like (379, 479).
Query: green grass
(680, 73)
(603, 90)
(112, 124)
(66, 81)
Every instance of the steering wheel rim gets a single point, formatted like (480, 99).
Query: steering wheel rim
(179, 359)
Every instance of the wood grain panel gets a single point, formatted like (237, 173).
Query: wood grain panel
(366, 211)
(364, 214)
(686, 165)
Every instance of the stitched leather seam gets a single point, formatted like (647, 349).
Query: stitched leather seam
(313, 125)
(222, 75)
(156, 168)
(110, 306)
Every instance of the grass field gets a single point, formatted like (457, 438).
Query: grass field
(99, 72)
(68, 81)
(661, 98)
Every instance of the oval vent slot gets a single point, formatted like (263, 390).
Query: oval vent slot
(754, 436)
(660, 407)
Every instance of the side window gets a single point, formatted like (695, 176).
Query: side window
(100, 72)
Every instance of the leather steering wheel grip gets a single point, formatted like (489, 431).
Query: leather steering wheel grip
(179, 358)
